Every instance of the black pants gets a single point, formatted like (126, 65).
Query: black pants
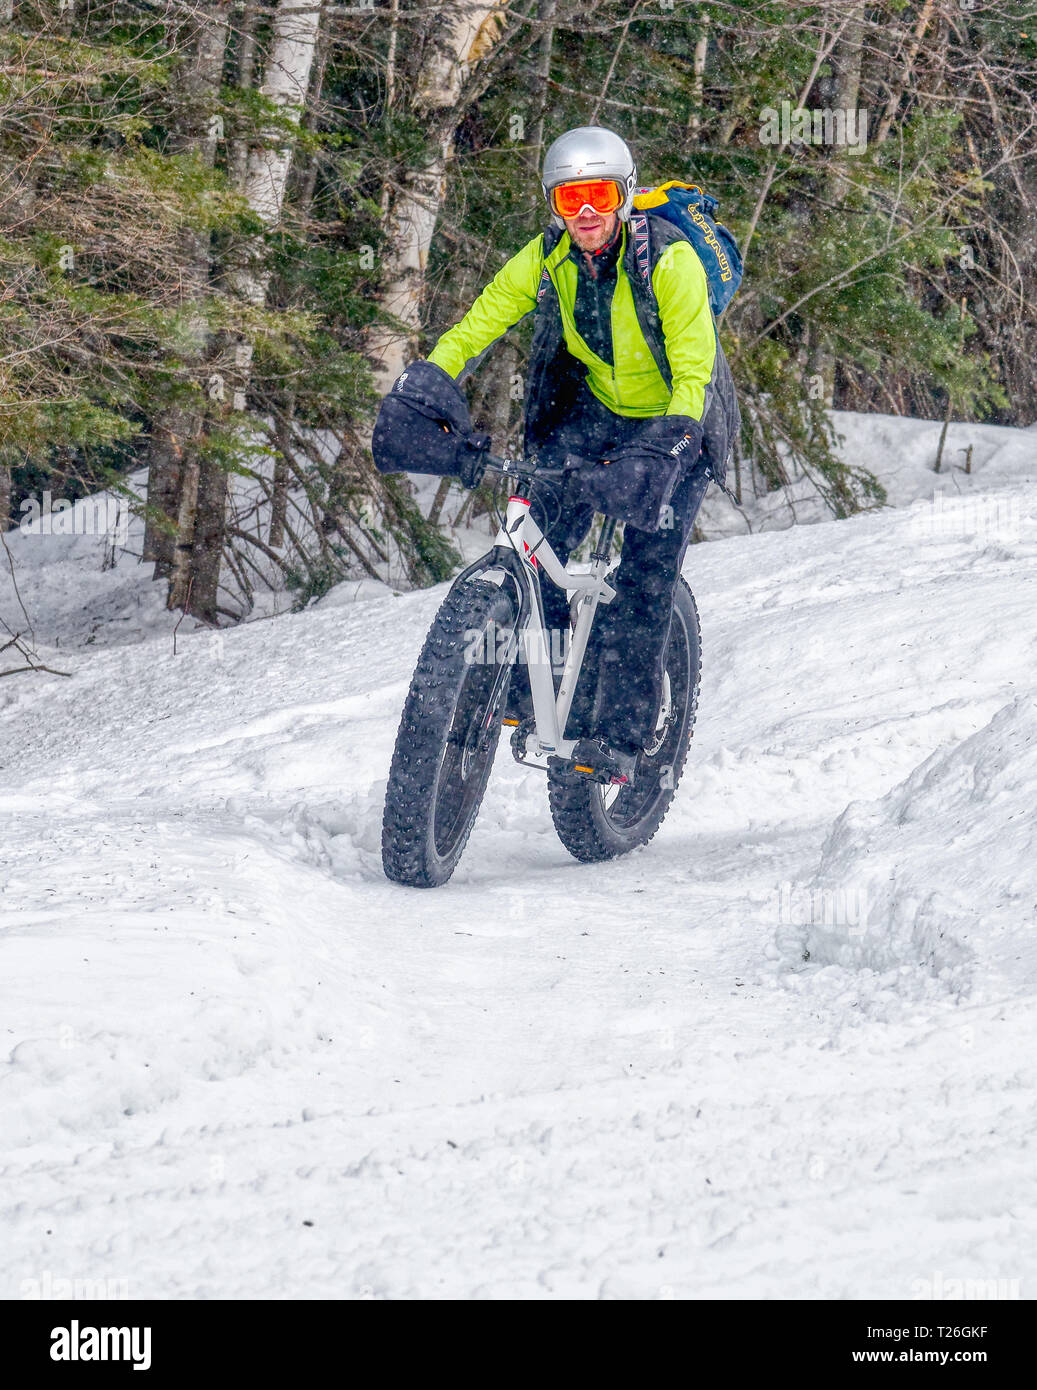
(620, 687)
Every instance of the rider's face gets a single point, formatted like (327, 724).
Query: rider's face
(589, 230)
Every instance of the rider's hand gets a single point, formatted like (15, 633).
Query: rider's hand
(635, 482)
(677, 435)
(471, 458)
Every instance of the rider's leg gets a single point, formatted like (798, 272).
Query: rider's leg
(635, 627)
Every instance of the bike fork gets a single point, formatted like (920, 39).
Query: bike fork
(536, 649)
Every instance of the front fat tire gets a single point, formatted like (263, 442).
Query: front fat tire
(590, 829)
(439, 772)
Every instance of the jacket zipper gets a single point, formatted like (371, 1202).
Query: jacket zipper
(620, 271)
(612, 336)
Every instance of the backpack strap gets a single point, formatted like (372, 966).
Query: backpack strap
(552, 236)
(638, 224)
(646, 306)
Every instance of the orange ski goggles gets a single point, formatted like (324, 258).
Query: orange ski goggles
(569, 199)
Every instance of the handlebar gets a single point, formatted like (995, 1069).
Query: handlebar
(532, 468)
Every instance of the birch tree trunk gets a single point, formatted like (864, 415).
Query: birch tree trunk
(846, 68)
(698, 80)
(172, 464)
(548, 10)
(464, 33)
(296, 23)
(237, 148)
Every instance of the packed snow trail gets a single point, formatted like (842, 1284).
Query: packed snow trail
(785, 1051)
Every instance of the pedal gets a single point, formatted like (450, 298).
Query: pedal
(572, 768)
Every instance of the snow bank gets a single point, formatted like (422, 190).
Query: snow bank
(240, 1063)
(900, 452)
(941, 872)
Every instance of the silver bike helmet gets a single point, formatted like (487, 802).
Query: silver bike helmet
(590, 152)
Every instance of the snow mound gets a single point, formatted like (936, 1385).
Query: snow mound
(941, 869)
(901, 453)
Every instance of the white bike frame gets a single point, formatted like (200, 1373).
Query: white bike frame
(521, 534)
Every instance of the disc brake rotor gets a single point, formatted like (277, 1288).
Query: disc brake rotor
(663, 722)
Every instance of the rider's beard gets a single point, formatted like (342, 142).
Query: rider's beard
(590, 231)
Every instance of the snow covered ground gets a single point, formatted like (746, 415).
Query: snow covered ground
(786, 1051)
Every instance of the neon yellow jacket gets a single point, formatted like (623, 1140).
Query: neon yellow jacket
(634, 385)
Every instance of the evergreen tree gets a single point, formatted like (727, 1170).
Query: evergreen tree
(159, 310)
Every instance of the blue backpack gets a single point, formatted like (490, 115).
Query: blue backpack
(691, 211)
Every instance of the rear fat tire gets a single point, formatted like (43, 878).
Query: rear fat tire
(593, 821)
(447, 739)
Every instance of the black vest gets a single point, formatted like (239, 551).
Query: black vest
(554, 376)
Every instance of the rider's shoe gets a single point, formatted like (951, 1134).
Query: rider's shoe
(606, 763)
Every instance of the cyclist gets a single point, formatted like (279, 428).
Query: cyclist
(595, 390)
